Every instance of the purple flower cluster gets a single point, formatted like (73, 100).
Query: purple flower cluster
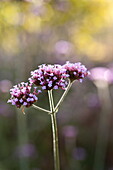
(49, 77)
(75, 71)
(21, 95)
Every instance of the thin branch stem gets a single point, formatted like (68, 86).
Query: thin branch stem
(39, 108)
(50, 100)
(63, 96)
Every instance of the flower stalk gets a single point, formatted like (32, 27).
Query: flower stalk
(54, 131)
(48, 77)
(55, 142)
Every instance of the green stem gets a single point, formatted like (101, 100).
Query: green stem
(39, 108)
(54, 131)
(63, 96)
(54, 110)
(55, 142)
(51, 100)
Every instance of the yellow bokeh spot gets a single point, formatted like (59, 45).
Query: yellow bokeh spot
(32, 23)
(48, 13)
(90, 47)
(10, 43)
(10, 13)
(85, 36)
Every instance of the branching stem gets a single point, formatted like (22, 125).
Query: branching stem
(39, 108)
(63, 96)
(52, 112)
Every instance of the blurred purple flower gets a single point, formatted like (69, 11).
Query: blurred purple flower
(101, 73)
(21, 95)
(5, 110)
(5, 86)
(27, 150)
(70, 131)
(63, 47)
(49, 77)
(76, 71)
(79, 153)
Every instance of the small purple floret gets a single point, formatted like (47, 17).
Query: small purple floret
(49, 77)
(75, 71)
(21, 95)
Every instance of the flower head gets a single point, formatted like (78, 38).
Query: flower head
(21, 95)
(49, 77)
(75, 71)
(102, 74)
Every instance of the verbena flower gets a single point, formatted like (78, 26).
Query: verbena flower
(49, 77)
(75, 71)
(21, 95)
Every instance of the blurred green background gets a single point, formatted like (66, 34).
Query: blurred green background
(33, 32)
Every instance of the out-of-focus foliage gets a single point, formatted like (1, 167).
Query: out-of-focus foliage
(86, 24)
